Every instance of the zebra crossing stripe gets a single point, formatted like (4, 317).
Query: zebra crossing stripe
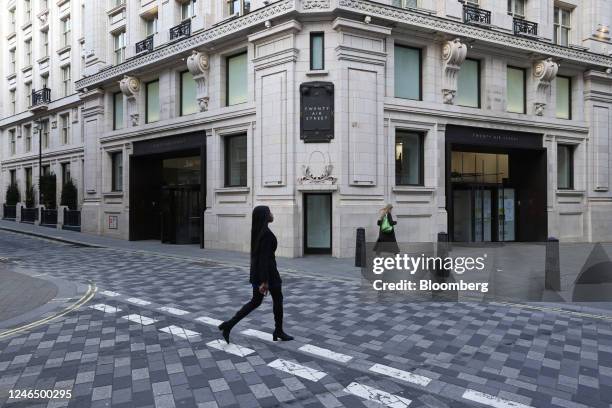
(173, 310)
(376, 395)
(109, 293)
(136, 318)
(105, 308)
(180, 332)
(325, 353)
(401, 374)
(297, 370)
(137, 301)
(491, 400)
(209, 320)
(258, 334)
(230, 348)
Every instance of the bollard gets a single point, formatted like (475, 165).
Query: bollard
(443, 248)
(552, 280)
(360, 247)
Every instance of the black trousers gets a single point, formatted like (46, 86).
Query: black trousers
(277, 307)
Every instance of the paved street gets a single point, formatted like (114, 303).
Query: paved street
(147, 338)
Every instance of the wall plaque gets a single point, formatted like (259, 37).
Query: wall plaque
(316, 112)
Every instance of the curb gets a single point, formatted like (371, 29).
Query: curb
(51, 237)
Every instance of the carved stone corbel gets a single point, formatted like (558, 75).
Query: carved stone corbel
(130, 87)
(197, 64)
(544, 72)
(453, 55)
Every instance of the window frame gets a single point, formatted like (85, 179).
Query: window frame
(44, 134)
(45, 43)
(191, 9)
(28, 94)
(147, 99)
(12, 61)
(512, 8)
(27, 137)
(66, 25)
(114, 179)
(569, 95)
(181, 113)
(12, 141)
(65, 166)
(226, 161)
(66, 69)
(13, 101)
(478, 84)
(421, 181)
(120, 94)
(65, 128)
(27, 45)
(227, 79)
(524, 70)
(27, 5)
(557, 27)
(420, 50)
(571, 148)
(119, 37)
(313, 35)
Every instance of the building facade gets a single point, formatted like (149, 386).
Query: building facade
(488, 120)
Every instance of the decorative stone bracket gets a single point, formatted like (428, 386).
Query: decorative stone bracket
(453, 55)
(318, 170)
(130, 87)
(197, 64)
(544, 72)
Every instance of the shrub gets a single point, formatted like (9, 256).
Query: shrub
(12, 194)
(69, 195)
(48, 191)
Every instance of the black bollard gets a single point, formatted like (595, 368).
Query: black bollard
(360, 247)
(552, 280)
(442, 253)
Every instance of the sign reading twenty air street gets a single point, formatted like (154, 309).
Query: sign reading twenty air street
(316, 112)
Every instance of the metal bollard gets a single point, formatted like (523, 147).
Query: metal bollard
(360, 247)
(552, 279)
(443, 248)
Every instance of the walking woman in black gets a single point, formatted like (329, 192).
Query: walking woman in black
(264, 276)
(386, 233)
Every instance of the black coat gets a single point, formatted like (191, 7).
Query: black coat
(263, 262)
(386, 237)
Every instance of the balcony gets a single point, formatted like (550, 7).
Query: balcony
(40, 99)
(525, 28)
(145, 45)
(181, 30)
(476, 16)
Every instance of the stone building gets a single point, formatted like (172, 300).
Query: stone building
(488, 120)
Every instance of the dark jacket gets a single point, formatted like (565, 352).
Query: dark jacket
(386, 240)
(263, 262)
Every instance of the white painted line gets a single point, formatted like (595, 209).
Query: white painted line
(209, 320)
(373, 394)
(297, 369)
(230, 348)
(173, 310)
(180, 332)
(137, 301)
(401, 374)
(136, 318)
(258, 334)
(491, 400)
(109, 293)
(105, 308)
(325, 353)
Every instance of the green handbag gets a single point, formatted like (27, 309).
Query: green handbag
(386, 226)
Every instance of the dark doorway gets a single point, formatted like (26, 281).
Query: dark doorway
(317, 223)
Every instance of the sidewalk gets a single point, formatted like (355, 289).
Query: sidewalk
(320, 265)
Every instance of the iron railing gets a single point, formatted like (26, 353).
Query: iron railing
(10, 212)
(145, 45)
(29, 215)
(524, 27)
(181, 30)
(476, 15)
(48, 218)
(72, 220)
(41, 97)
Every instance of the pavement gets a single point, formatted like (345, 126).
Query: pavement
(147, 338)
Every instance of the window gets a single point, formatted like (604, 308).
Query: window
(317, 51)
(44, 37)
(515, 87)
(234, 7)
(516, 8)
(44, 80)
(65, 128)
(188, 94)
(117, 110)
(28, 177)
(46, 170)
(27, 7)
(27, 135)
(66, 80)
(408, 158)
(12, 25)
(12, 102)
(65, 32)
(117, 171)
(407, 72)
(12, 63)
(405, 3)
(65, 173)
(188, 9)
(12, 142)
(236, 160)
(236, 77)
(119, 47)
(44, 134)
(13, 176)
(44, 5)
(565, 167)
(152, 108)
(468, 84)
(562, 26)
(27, 46)
(564, 97)
(151, 26)
(118, 3)
(28, 94)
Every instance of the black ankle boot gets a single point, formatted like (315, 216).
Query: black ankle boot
(225, 329)
(279, 334)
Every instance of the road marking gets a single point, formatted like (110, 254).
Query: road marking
(258, 334)
(297, 369)
(209, 320)
(136, 318)
(380, 396)
(137, 301)
(230, 348)
(173, 310)
(400, 374)
(322, 352)
(180, 332)
(491, 400)
(105, 308)
(109, 293)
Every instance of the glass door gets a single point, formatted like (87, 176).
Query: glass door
(483, 214)
(506, 214)
(317, 223)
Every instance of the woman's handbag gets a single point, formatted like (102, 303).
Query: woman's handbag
(386, 226)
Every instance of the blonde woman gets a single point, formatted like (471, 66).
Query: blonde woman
(386, 234)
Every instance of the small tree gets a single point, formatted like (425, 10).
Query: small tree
(69, 195)
(12, 194)
(47, 185)
(30, 200)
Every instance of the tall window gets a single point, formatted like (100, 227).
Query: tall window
(408, 158)
(468, 84)
(27, 135)
(12, 25)
(407, 72)
(12, 142)
(65, 24)
(152, 111)
(563, 26)
(66, 80)
(565, 167)
(405, 3)
(28, 94)
(117, 110)
(65, 173)
(516, 8)
(515, 88)
(119, 47)
(117, 171)
(44, 81)
(28, 177)
(236, 79)
(44, 134)
(188, 9)
(317, 51)
(44, 37)
(236, 160)
(65, 128)
(44, 5)
(27, 47)
(188, 94)
(12, 61)
(27, 7)
(12, 102)
(13, 176)
(564, 97)
(151, 26)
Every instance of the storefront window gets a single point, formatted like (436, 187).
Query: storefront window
(516, 90)
(235, 161)
(468, 84)
(117, 110)
(117, 171)
(408, 158)
(564, 91)
(407, 72)
(565, 167)
(236, 79)
(188, 94)
(152, 102)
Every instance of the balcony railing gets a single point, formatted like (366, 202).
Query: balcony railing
(181, 30)
(524, 27)
(145, 45)
(41, 97)
(476, 16)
